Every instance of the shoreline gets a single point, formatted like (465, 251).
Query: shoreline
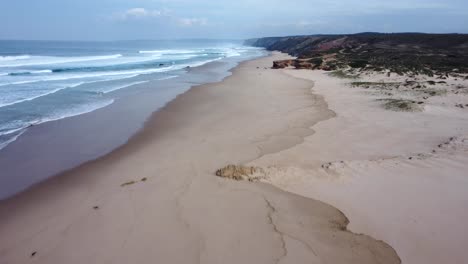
(60, 133)
(161, 184)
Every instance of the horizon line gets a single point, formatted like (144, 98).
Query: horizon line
(236, 39)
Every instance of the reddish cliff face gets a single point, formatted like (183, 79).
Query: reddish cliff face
(333, 44)
(281, 64)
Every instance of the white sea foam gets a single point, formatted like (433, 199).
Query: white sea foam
(62, 77)
(39, 95)
(11, 131)
(168, 78)
(17, 73)
(30, 98)
(201, 63)
(13, 58)
(232, 53)
(4, 104)
(167, 52)
(178, 57)
(12, 139)
(20, 82)
(81, 70)
(46, 60)
(136, 83)
(41, 71)
(80, 110)
(112, 89)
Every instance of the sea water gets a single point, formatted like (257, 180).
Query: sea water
(42, 81)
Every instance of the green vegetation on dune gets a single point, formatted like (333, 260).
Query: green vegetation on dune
(382, 85)
(403, 105)
(401, 53)
(358, 63)
(343, 75)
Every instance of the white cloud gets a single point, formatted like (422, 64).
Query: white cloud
(144, 13)
(139, 12)
(188, 22)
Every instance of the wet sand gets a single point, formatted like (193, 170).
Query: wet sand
(156, 199)
(53, 147)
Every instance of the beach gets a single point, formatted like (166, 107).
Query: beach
(85, 106)
(339, 178)
(157, 197)
(398, 176)
(233, 132)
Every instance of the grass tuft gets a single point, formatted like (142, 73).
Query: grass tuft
(401, 105)
(342, 75)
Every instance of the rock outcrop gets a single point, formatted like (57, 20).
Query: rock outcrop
(281, 64)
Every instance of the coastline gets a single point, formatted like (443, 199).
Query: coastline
(124, 206)
(51, 148)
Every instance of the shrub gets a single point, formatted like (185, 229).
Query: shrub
(316, 61)
(358, 64)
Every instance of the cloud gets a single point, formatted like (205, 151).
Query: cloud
(188, 22)
(139, 13)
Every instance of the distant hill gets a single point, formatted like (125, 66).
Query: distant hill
(397, 52)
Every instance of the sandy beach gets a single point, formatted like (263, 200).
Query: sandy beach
(157, 198)
(399, 176)
(325, 151)
(53, 147)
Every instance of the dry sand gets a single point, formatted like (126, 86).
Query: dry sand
(401, 177)
(156, 199)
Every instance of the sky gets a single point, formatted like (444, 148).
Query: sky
(223, 19)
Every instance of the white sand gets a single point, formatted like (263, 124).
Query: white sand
(380, 170)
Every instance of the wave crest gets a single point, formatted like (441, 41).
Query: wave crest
(46, 60)
(13, 58)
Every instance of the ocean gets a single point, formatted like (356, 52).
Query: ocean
(48, 81)
(42, 81)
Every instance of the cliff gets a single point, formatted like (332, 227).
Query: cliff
(400, 52)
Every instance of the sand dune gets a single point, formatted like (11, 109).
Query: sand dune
(399, 176)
